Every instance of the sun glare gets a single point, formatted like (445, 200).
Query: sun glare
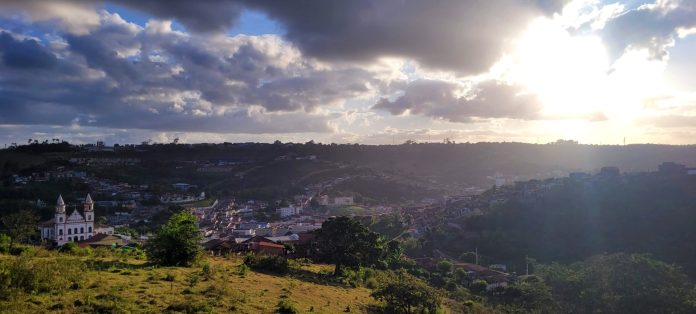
(575, 77)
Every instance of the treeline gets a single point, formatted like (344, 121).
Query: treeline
(641, 213)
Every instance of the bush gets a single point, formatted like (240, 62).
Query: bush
(4, 243)
(285, 307)
(187, 307)
(74, 249)
(40, 275)
(274, 264)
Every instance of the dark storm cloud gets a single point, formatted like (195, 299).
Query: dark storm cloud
(203, 16)
(463, 36)
(441, 100)
(25, 53)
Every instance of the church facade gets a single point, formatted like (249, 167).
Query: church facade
(65, 228)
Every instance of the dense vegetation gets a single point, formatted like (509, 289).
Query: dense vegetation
(643, 213)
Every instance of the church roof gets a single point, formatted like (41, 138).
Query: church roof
(75, 216)
(60, 200)
(88, 200)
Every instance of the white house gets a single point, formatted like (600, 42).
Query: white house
(289, 211)
(75, 227)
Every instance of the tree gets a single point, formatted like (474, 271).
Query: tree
(346, 242)
(177, 243)
(407, 294)
(531, 294)
(20, 225)
(444, 266)
(619, 283)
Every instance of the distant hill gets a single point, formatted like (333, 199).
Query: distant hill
(462, 165)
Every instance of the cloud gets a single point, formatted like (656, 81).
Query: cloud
(200, 16)
(121, 75)
(466, 36)
(460, 35)
(77, 17)
(449, 101)
(652, 26)
(26, 53)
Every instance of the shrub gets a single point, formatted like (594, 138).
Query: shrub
(169, 277)
(206, 271)
(40, 275)
(285, 307)
(187, 307)
(274, 264)
(243, 268)
(4, 243)
(74, 249)
(193, 279)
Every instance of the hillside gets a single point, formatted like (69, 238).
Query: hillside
(117, 284)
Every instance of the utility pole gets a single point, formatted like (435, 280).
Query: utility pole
(526, 260)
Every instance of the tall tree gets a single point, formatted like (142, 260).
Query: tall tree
(346, 242)
(20, 225)
(406, 294)
(177, 243)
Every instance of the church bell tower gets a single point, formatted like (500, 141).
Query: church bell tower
(89, 208)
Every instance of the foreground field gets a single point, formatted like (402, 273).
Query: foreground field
(111, 284)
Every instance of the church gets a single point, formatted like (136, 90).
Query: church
(75, 227)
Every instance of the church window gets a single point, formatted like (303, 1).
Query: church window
(69, 238)
(75, 230)
(69, 231)
(90, 229)
(60, 231)
(60, 219)
(89, 217)
(82, 237)
(82, 230)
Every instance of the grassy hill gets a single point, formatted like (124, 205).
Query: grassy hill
(113, 283)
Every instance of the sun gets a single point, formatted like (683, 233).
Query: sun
(575, 78)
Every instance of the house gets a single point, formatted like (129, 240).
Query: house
(267, 248)
(672, 169)
(609, 172)
(183, 186)
(289, 211)
(108, 230)
(492, 277)
(103, 240)
(222, 246)
(323, 200)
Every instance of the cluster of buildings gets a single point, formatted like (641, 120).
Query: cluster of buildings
(60, 173)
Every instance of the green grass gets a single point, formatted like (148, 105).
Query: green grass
(202, 203)
(347, 211)
(118, 284)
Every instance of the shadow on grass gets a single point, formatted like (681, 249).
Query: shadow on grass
(317, 278)
(103, 265)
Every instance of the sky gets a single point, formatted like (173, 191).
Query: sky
(361, 71)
